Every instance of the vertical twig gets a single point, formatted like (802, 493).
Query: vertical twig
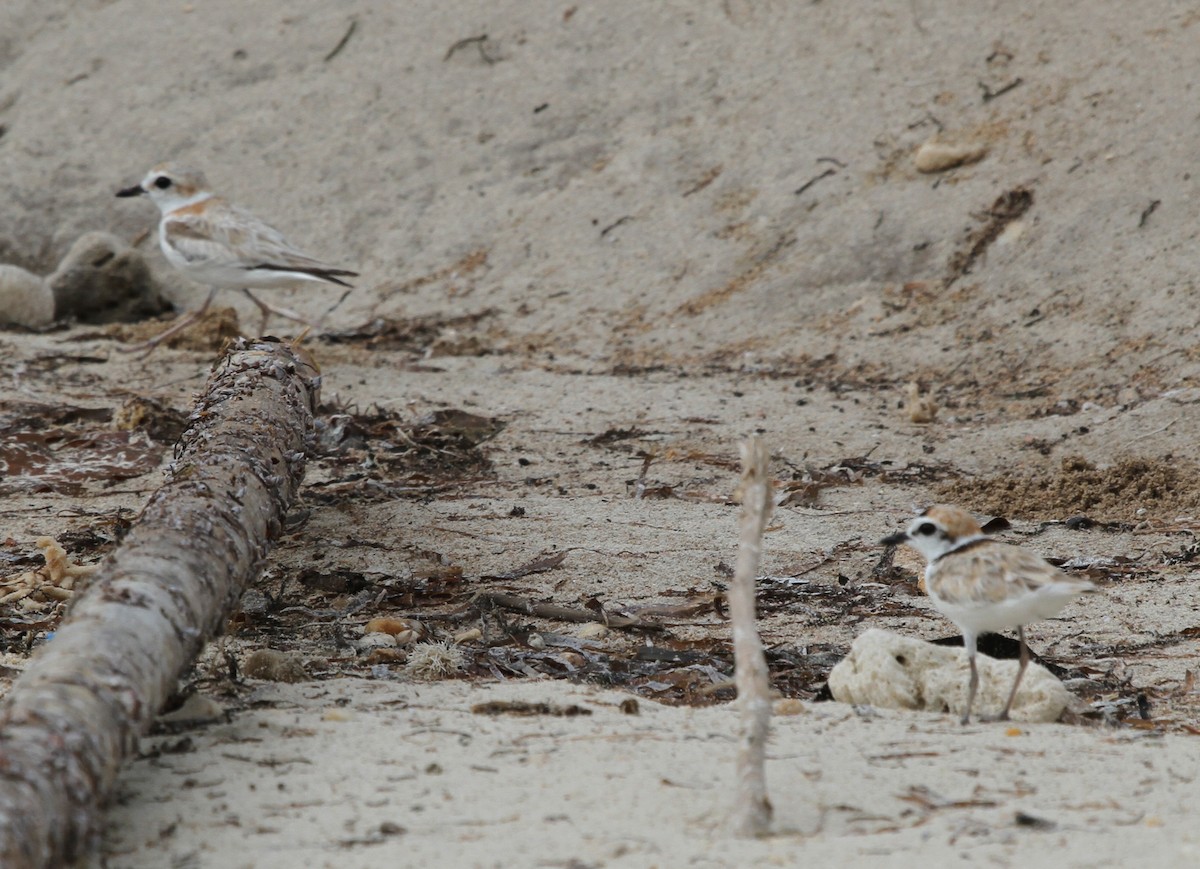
(752, 814)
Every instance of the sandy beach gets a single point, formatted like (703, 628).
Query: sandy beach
(599, 244)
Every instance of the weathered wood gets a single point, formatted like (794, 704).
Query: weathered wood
(752, 814)
(78, 709)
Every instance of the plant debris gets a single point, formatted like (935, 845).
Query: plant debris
(140, 413)
(524, 708)
(421, 336)
(18, 416)
(376, 455)
(47, 586)
(541, 564)
(1008, 207)
(60, 460)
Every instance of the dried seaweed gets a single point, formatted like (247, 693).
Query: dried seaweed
(375, 455)
(525, 709)
(422, 336)
(59, 460)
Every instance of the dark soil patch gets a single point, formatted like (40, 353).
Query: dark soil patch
(1164, 488)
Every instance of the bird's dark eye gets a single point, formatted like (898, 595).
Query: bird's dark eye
(162, 182)
(925, 529)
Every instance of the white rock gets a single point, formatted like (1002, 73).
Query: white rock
(935, 156)
(197, 709)
(103, 280)
(897, 672)
(25, 300)
(468, 636)
(376, 640)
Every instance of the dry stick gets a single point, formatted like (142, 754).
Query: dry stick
(84, 699)
(752, 814)
(561, 613)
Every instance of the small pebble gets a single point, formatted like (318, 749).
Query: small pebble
(274, 666)
(375, 640)
(937, 156)
(592, 631)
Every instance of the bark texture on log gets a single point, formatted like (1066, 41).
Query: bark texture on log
(752, 814)
(76, 712)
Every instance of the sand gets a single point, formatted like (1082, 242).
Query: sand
(631, 231)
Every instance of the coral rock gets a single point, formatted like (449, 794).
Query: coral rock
(25, 300)
(896, 672)
(104, 280)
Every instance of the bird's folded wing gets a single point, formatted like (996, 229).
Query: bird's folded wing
(238, 239)
(998, 572)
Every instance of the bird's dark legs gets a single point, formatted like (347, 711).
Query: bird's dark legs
(268, 310)
(1020, 672)
(973, 684)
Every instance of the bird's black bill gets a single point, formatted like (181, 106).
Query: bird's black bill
(135, 190)
(894, 539)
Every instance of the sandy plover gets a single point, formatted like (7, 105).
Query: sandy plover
(984, 585)
(216, 243)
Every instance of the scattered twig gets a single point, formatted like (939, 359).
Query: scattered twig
(541, 564)
(1147, 434)
(477, 41)
(929, 801)
(513, 603)
(342, 42)
(614, 225)
(929, 118)
(640, 489)
(989, 94)
(1147, 211)
(811, 181)
(752, 813)
(708, 178)
(1009, 206)
(464, 738)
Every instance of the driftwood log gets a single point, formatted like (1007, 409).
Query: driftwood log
(78, 709)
